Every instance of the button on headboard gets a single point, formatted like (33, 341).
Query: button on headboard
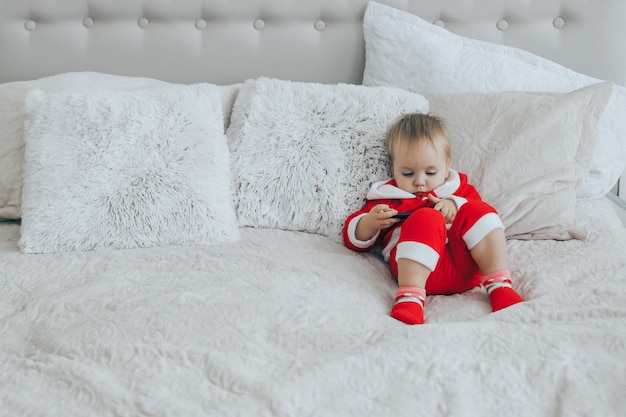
(313, 40)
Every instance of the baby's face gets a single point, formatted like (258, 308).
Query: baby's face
(420, 169)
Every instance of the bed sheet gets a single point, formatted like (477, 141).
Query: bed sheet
(293, 324)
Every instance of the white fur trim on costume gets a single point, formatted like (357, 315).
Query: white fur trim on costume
(381, 189)
(485, 225)
(418, 252)
(453, 182)
(363, 244)
(393, 241)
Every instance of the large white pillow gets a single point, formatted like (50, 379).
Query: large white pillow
(304, 154)
(403, 50)
(12, 114)
(526, 152)
(113, 169)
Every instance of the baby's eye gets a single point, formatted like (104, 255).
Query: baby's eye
(407, 174)
(431, 173)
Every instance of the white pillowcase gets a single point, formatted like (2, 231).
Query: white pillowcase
(403, 50)
(304, 154)
(526, 152)
(12, 115)
(107, 169)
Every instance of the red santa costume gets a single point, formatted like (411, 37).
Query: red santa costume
(424, 237)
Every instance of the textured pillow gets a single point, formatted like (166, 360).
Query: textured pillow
(526, 153)
(106, 169)
(403, 50)
(12, 121)
(304, 154)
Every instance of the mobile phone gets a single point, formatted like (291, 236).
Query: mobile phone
(402, 215)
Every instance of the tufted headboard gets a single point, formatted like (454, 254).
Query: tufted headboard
(226, 42)
(314, 40)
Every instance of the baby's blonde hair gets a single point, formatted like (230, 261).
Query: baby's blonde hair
(416, 129)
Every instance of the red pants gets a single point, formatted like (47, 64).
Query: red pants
(425, 239)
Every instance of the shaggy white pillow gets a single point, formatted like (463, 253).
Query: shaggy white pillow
(526, 153)
(12, 115)
(304, 154)
(106, 169)
(403, 50)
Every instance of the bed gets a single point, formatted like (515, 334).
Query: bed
(175, 177)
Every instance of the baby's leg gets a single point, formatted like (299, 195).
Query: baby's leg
(491, 257)
(483, 233)
(410, 298)
(422, 239)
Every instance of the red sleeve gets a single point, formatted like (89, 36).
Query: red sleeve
(350, 225)
(467, 190)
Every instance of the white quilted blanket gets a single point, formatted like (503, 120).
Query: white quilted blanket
(291, 324)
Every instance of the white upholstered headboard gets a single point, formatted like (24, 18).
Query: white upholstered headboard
(310, 40)
(226, 42)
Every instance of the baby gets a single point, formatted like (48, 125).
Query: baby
(451, 242)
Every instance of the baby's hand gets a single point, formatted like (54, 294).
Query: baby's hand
(381, 217)
(446, 207)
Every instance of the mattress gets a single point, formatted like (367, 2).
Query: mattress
(286, 323)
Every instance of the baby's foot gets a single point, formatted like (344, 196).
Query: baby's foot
(503, 297)
(409, 305)
(501, 293)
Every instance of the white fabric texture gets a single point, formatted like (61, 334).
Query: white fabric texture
(292, 324)
(305, 154)
(526, 153)
(403, 50)
(12, 121)
(108, 169)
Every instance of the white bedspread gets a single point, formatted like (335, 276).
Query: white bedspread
(290, 324)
